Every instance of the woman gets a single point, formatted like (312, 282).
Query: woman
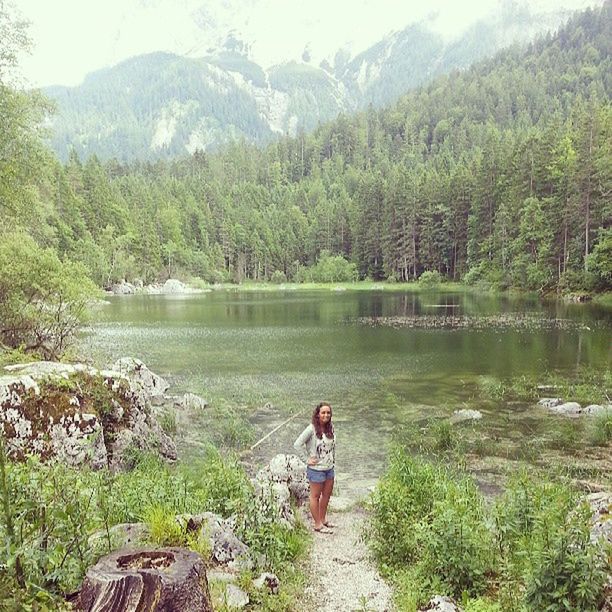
(317, 446)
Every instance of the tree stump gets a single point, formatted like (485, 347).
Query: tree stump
(151, 580)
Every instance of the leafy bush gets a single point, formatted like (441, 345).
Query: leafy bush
(567, 571)
(42, 300)
(48, 511)
(546, 558)
(430, 278)
(278, 277)
(332, 269)
(432, 533)
(427, 516)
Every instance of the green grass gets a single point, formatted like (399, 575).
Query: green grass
(414, 287)
(432, 532)
(603, 299)
(69, 505)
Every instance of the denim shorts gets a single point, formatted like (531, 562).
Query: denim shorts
(319, 475)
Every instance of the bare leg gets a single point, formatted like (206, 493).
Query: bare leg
(316, 489)
(328, 487)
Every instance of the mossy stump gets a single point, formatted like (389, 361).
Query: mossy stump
(151, 580)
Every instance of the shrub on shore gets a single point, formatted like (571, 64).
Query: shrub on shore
(432, 532)
(49, 511)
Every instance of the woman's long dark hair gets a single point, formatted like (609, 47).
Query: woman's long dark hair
(328, 428)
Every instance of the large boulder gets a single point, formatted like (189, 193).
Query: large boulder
(78, 414)
(138, 373)
(570, 409)
(123, 288)
(283, 478)
(597, 409)
(289, 470)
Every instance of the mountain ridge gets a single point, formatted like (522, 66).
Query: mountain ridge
(160, 105)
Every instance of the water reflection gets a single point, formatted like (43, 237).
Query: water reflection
(293, 348)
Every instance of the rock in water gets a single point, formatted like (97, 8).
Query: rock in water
(570, 409)
(146, 579)
(174, 286)
(466, 415)
(550, 402)
(123, 288)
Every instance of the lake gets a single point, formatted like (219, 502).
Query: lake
(274, 353)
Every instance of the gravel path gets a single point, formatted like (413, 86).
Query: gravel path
(342, 577)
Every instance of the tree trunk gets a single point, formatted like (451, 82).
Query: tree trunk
(162, 580)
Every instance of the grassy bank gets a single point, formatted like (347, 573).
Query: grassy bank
(415, 287)
(433, 532)
(50, 511)
(604, 299)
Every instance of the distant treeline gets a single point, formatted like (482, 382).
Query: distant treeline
(501, 174)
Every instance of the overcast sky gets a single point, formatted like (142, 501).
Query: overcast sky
(74, 37)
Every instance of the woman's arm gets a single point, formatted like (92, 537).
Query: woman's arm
(300, 444)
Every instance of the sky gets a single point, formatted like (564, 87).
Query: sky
(74, 37)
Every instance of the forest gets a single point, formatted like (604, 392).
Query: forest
(498, 175)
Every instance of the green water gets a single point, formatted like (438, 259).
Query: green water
(291, 349)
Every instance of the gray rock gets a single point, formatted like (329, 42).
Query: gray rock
(601, 521)
(66, 431)
(570, 409)
(466, 415)
(191, 401)
(550, 402)
(225, 546)
(269, 581)
(137, 372)
(287, 469)
(173, 285)
(123, 535)
(440, 603)
(123, 288)
(235, 597)
(596, 410)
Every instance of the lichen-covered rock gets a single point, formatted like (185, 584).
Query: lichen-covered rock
(597, 409)
(77, 414)
(601, 523)
(137, 372)
(289, 470)
(123, 288)
(225, 546)
(284, 477)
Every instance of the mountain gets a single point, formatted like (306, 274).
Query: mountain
(160, 105)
